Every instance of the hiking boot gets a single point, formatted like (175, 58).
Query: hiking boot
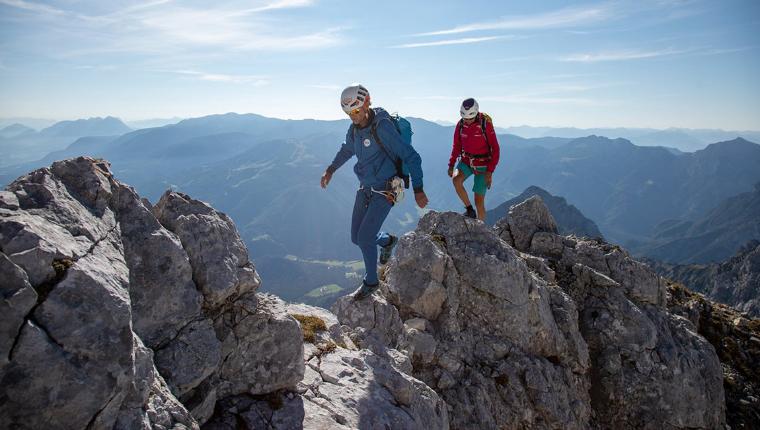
(365, 290)
(470, 213)
(387, 250)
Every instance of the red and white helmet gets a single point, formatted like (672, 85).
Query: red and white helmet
(469, 108)
(353, 97)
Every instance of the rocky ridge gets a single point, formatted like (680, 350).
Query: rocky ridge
(735, 282)
(116, 314)
(519, 327)
(569, 219)
(155, 311)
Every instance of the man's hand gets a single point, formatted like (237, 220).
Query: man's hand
(421, 199)
(489, 178)
(325, 179)
(451, 171)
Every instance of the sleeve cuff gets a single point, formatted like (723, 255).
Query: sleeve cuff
(331, 169)
(418, 190)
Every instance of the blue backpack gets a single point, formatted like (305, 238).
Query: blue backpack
(404, 128)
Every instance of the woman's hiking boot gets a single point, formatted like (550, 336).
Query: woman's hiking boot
(470, 212)
(387, 250)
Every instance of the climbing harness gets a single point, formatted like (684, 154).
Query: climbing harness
(395, 192)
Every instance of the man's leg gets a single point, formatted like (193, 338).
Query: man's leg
(367, 235)
(361, 203)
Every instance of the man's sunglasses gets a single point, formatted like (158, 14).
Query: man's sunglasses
(355, 111)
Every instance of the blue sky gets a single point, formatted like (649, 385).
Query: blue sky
(660, 63)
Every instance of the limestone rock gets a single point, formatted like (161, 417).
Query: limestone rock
(528, 218)
(377, 322)
(18, 298)
(736, 340)
(342, 389)
(93, 284)
(249, 329)
(572, 335)
(221, 268)
(164, 296)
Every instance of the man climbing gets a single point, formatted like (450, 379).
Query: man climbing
(377, 144)
(477, 148)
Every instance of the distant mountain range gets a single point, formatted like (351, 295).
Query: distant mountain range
(33, 123)
(29, 145)
(628, 190)
(151, 123)
(15, 130)
(683, 139)
(711, 238)
(568, 218)
(735, 282)
(264, 173)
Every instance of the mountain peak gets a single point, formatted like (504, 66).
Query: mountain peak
(15, 130)
(569, 219)
(96, 126)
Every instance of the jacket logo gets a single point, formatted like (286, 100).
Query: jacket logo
(366, 143)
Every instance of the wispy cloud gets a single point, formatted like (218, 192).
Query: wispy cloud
(254, 80)
(461, 41)
(721, 51)
(567, 17)
(281, 4)
(165, 27)
(622, 55)
(33, 7)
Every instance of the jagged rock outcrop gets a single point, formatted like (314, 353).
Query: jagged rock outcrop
(569, 219)
(344, 387)
(559, 333)
(119, 315)
(735, 282)
(737, 341)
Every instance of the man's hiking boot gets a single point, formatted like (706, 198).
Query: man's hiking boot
(365, 290)
(387, 250)
(470, 212)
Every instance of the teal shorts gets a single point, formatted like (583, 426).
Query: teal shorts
(479, 187)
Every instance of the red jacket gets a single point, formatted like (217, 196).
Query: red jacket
(474, 142)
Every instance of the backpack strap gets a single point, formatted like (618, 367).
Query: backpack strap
(396, 161)
(483, 119)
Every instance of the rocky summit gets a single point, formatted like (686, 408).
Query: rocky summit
(120, 314)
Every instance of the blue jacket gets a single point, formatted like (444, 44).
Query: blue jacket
(373, 166)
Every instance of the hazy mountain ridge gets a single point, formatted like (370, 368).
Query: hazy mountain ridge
(15, 130)
(236, 162)
(683, 139)
(108, 126)
(30, 146)
(735, 281)
(712, 238)
(569, 219)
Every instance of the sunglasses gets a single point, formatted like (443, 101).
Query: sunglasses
(354, 111)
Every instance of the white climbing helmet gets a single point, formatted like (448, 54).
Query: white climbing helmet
(353, 97)
(469, 108)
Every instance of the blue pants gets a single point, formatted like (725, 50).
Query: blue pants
(370, 211)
